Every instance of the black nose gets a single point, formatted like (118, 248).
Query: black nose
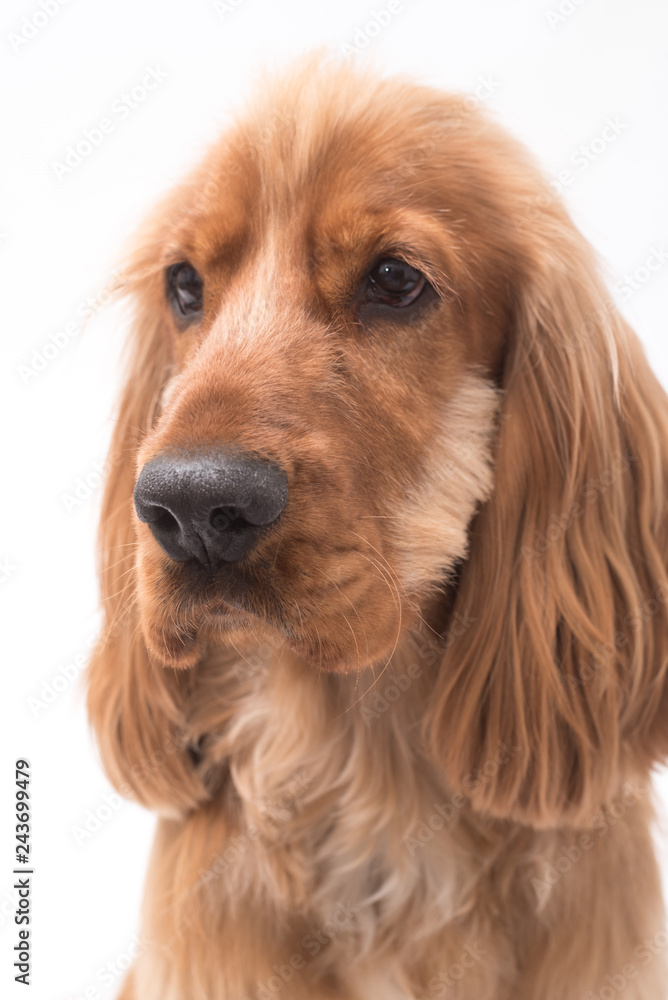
(209, 507)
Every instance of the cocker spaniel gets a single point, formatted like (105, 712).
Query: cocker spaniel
(384, 570)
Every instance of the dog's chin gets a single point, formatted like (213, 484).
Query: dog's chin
(179, 646)
(180, 639)
(182, 643)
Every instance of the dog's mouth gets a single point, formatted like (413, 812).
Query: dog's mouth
(338, 608)
(229, 593)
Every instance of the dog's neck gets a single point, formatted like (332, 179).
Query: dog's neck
(326, 795)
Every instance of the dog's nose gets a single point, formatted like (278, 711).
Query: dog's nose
(209, 507)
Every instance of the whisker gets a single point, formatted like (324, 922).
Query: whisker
(345, 596)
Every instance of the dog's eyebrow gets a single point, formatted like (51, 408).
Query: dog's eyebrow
(421, 260)
(424, 242)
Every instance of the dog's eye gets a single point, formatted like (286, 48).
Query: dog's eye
(185, 290)
(394, 282)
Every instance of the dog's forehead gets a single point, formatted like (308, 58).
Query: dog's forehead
(331, 156)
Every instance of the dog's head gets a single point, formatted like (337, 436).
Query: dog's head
(375, 378)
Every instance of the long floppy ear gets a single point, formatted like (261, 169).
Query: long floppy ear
(558, 687)
(133, 703)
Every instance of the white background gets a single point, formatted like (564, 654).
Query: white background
(555, 81)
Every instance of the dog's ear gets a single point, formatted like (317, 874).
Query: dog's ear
(556, 686)
(135, 704)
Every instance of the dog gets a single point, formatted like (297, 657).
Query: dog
(384, 570)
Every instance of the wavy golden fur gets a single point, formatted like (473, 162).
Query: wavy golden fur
(401, 749)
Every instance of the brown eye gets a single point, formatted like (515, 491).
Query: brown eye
(185, 291)
(393, 282)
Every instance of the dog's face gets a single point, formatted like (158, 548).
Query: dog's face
(376, 378)
(328, 340)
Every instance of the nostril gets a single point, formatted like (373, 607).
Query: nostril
(224, 518)
(163, 520)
